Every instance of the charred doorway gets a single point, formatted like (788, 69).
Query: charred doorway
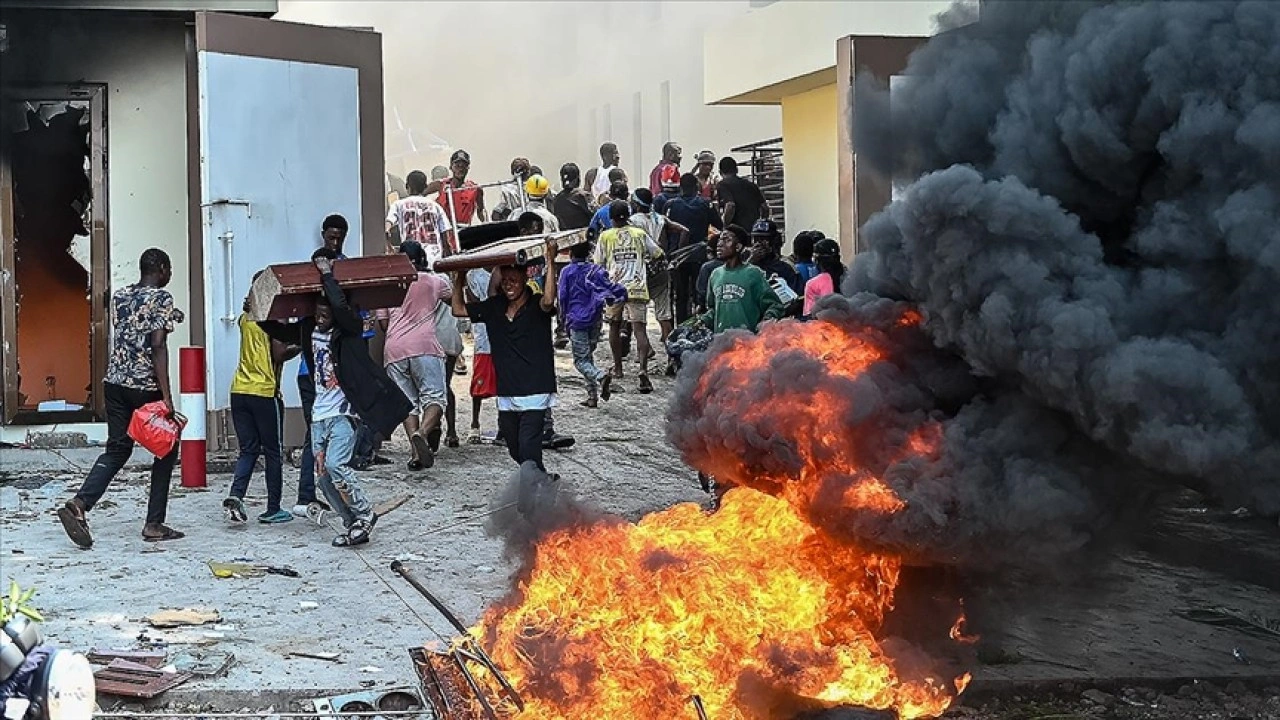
(54, 254)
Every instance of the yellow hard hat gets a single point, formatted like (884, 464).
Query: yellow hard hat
(537, 186)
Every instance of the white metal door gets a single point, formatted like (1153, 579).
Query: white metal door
(279, 151)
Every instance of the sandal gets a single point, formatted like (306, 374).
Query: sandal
(166, 533)
(415, 465)
(74, 522)
(422, 448)
(451, 440)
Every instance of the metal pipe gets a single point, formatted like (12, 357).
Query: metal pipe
(697, 705)
(475, 688)
(400, 569)
(483, 658)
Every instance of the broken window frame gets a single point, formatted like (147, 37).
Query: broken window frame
(99, 289)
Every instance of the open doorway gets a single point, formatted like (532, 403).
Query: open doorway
(55, 252)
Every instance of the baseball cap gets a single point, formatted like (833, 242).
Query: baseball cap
(459, 155)
(765, 227)
(706, 156)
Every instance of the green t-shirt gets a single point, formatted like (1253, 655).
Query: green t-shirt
(739, 298)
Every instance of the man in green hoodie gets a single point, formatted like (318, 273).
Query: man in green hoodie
(738, 294)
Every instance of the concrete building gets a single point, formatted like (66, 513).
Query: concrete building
(153, 123)
(814, 51)
(547, 80)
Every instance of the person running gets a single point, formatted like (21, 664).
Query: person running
(585, 290)
(625, 252)
(693, 212)
(668, 235)
(826, 253)
(484, 381)
(142, 316)
(413, 357)
(461, 199)
(255, 414)
(530, 223)
(450, 338)
(599, 179)
(519, 323)
(420, 219)
(349, 388)
(739, 295)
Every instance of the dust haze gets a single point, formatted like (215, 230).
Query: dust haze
(545, 80)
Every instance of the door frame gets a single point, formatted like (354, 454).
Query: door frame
(99, 254)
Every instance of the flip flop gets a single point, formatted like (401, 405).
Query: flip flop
(421, 446)
(74, 523)
(168, 534)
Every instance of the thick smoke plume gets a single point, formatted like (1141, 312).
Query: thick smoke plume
(1089, 226)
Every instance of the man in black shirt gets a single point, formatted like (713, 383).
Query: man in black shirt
(741, 199)
(766, 249)
(695, 213)
(572, 205)
(519, 323)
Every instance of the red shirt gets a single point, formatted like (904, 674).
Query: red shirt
(464, 200)
(668, 171)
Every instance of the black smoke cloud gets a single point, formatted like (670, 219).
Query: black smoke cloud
(1089, 223)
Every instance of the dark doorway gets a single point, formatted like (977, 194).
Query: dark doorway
(55, 248)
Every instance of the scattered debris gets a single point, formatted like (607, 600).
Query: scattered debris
(394, 700)
(1248, 622)
(388, 505)
(1239, 655)
(308, 605)
(315, 655)
(204, 665)
(129, 679)
(150, 658)
(370, 669)
(247, 570)
(1097, 697)
(184, 617)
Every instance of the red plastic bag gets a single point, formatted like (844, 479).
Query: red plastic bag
(155, 429)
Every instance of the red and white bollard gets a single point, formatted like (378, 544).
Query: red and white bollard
(192, 404)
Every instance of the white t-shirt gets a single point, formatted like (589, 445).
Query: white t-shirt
(422, 219)
(600, 186)
(478, 283)
(330, 401)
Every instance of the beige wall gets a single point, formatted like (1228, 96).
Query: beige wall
(800, 37)
(143, 63)
(812, 167)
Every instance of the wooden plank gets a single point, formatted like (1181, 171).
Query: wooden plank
(526, 250)
(150, 658)
(128, 679)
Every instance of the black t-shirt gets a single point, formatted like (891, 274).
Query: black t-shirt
(697, 215)
(746, 198)
(572, 208)
(523, 356)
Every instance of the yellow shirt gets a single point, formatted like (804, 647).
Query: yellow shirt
(256, 374)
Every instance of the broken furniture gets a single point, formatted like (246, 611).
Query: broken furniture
(130, 679)
(398, 700)
(290, 291)
(524, 250)
(461, 683)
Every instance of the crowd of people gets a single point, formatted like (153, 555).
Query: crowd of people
(699, 247)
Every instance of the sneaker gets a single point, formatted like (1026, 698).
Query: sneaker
(275, 518)
(474, 437)
(357, 535)
(556, 441)
(233, 508)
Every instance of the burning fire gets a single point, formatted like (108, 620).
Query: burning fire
(752, 608)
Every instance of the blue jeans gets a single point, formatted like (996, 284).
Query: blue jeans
(332, 442)
(257, 423)
(584, 349)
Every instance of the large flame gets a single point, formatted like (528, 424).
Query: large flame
(751, 607)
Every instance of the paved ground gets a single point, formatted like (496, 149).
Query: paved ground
(1119, 630)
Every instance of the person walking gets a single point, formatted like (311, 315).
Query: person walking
(572, 206)
(693, 212)
(668, 235)
(255, 414)
(142, 316)
(413, 357)
(667, 169)
(349, 388)
(519, 322)
(625, 252)
(461, 199)
(484, 381)
(585, 290)
(420, 219)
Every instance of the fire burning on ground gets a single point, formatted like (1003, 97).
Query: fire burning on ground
(752, 607)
